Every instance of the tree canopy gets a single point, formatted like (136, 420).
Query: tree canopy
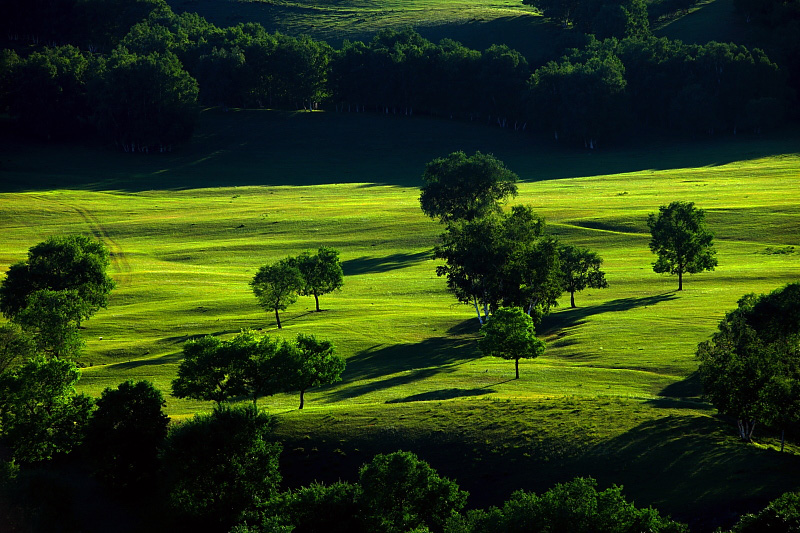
(580, 269)
(77, 263)
(321, 272)
(276, 286)
(681, 240)
(311, 363)
(458, 187)
(751, 366)
(509, 333)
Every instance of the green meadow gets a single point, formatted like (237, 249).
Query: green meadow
(614, 395)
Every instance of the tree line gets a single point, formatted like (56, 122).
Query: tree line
(142, 85)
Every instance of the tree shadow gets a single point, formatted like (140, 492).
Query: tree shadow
(166, 359)
(443, 394)
(381, 360)
(354, 391)
(569, 317)
(180, 339)
(706, 476)
(374, 265)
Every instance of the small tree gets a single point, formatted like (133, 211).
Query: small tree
(312, 363)
(41, 415)
(509, 333)
(322, 273)
(221, 466)
(208, 371)
(126, 433)
(259, 363)
(276, 286)
(458, 187)
(681, 241)
(580, 269)
(400, 492)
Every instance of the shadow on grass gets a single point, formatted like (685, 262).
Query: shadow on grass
(443, 394)
(693, 468)
(570, 317)
(384, 360)
(355, 391)
(373, 265)
(155, 361)
(180, 339)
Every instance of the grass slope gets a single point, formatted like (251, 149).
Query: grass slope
(613, 396)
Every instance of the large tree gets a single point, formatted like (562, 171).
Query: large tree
(209, 371)
(311, 363)
(751, 366)
(400, 492)
(41, 415)
(220, 466)
(52, 318)
(580, 269)
(681, 240)
(501, 260)
(458, 187)
(276, 286)
(510, 334)
(322, 273)
(126, 433)
(75, 262)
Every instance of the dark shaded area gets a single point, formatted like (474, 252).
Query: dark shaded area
(443, 394)
(166, 359)
(690, 387)
(346, 393)
(375, 265)
(231, 149)
(570, 317)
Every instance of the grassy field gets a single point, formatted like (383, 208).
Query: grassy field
(613, 396)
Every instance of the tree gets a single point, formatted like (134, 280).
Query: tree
(681, 241)
(458, 187)
(751, 366)
(400, 492)
(145, 102)
(260, 364)
(15, 346)
(208, 371)
(312, 363)
(41, 415)
(220, 466)
(576, 506)
(509, 333)
(501, 259)
(53, 319)
(581, 269)
(276, 286)
(60, 263)
(781, 515)
(322, 273)
(126, 433)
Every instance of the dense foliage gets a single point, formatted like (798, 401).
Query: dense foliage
(138, 73)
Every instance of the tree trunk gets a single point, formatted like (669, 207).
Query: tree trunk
(477, 310)
(516, 367)
(277, 318)
(680, 280)
(572, 299)
(783, 435)
(302, 399)
(316, 299)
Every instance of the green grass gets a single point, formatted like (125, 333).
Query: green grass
(709, 20)
(614, 395)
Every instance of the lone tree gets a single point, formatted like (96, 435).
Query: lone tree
(509, 333)
(276, 286)
(60, 263)
(458, 187)
(312, 363)
(322, 273)
(681, 241)
(580, 269)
